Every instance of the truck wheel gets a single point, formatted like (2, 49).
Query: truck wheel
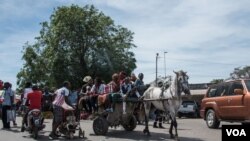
(130, 123)
(100, 126)
(211, 119)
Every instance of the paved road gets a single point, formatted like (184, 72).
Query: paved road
(189, 130)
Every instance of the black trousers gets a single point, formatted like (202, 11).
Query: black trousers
(94, 103)
(87, 105)
(158, 116)
(4, 116)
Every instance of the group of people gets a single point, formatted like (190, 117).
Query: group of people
(62, 98)
(34, 98)
(121, 84)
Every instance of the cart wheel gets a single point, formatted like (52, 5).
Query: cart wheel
(100, 126)
(130, 123)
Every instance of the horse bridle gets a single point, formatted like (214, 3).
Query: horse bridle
(181, 81)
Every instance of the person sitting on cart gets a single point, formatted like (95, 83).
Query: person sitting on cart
(112, 89)
(122, 76)
(85, 95)
(126, 88)
(97, 89)
(140, 89)
(140, 86)
(133, 78)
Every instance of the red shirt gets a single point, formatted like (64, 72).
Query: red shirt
(35, 100)
(1, 84)
(114, 87)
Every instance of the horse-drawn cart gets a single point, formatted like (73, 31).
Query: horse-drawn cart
(128, 121)
(167, 99)
(106, 119)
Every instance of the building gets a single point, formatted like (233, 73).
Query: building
(197, 91)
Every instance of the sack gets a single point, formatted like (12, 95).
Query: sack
(66, 107)
(11, 115)
(102, 99)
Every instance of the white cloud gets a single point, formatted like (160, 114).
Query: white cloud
(207, 38)
(193, 25)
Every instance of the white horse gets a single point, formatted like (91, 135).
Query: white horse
(168, 100)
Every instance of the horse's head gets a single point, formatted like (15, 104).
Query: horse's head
(182, 82)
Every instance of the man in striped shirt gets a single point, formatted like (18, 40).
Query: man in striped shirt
(61, 97)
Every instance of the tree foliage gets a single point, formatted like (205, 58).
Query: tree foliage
(215, 81)
(77, 41)
(240, 72)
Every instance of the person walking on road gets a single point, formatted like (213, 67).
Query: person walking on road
(7, 104)
(58, 110)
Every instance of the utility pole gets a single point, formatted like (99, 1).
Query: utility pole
(165, 64)
(157, 54)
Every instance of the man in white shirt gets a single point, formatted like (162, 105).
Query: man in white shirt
(97, 89)
(24, 110)
(60, 100)
(126, 88)
(26, 90)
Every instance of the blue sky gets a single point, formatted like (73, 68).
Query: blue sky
(206, 38)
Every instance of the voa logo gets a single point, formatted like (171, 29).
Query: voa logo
(236, 132)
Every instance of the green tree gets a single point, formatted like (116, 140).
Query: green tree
(240, 72)
(77, 41)
(215, 81)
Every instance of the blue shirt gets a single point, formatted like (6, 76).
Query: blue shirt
(140, 86)
(73, 97)
(125, 88)
(7, 97)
